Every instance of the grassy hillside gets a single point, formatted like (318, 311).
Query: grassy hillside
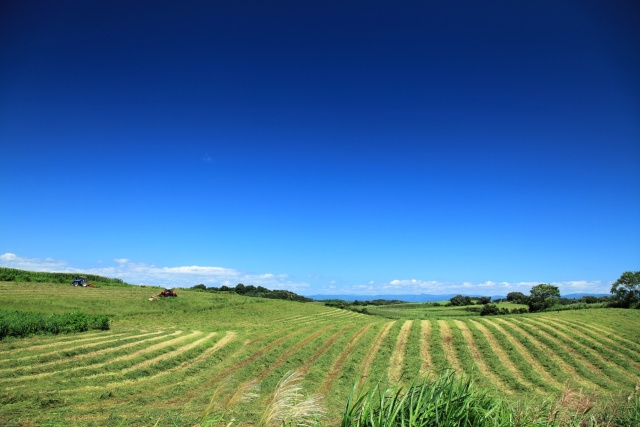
(162, 361)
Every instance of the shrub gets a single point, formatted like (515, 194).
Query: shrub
(22, 324)
(489, 310)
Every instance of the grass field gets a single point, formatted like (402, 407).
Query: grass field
(162, 361)
(424, 311)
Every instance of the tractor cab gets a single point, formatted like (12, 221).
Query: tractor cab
(79, 281)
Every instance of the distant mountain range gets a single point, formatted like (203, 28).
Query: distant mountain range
(420, 297)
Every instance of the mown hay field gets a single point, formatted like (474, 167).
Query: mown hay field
(162, 361)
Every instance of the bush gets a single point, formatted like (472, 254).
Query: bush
(489, 310)
(22, 324)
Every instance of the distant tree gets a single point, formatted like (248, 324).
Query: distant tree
(240, 289)
(200, 286)
(460, 300)
(484, 300)
(489, 310)
(626, 290)
(543, 296)
(516, 297)
(589, 299)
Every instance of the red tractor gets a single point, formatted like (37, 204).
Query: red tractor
(167, 293)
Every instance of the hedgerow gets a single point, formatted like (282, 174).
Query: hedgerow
(21, 323)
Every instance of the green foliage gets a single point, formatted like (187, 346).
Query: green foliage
(517, 297)
(460, 300)
(445, 401)
(494, 310)
(22, 324)
(484, 300)
(15, 275)
(543, 296)
(626, 290)
(258, 292)
(489, 310)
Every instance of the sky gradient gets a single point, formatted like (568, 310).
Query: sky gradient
(323, 147)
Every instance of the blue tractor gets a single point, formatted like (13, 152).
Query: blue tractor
(79, 281)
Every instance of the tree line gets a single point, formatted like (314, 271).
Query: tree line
(255, 291)
(625, 293)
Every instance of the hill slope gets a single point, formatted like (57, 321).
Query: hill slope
(162, 361)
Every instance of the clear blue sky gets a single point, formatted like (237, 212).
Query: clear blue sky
(323, 147)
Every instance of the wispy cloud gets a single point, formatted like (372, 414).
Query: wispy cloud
(433, 287)
(32, 264)
(149, 274)
(188, 276)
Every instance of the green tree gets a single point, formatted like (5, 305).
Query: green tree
(516, 297)
(626, 290)
(460, 300)
(543, 296)
(489, 310)
(484, 300)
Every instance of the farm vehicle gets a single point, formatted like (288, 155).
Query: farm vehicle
(82, 281)
(167, 293)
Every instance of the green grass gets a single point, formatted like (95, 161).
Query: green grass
(162, 361)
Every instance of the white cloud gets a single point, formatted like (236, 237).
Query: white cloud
(188, 276)
(32, 264)
(488, 288)
(149, 274)
(8, 257)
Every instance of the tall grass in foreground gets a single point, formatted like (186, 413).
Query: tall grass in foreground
(448, 401)
(443, 401)
(22, 323)
(286, 406)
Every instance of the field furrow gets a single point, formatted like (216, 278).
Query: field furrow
(243, 357)
(394, 373)
(62, 341)
(425, 354)
(447, 345)
(586, 371)
(551, 368)
(373, 352)
(592, 359)
(90, 365)
(612, 345)
(483, 374)
(70, 356)
(527, 364)
(337, 365)
(517, 381)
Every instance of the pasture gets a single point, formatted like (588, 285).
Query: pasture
(163, 361)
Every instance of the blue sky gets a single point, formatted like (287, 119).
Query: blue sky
(323, 147)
